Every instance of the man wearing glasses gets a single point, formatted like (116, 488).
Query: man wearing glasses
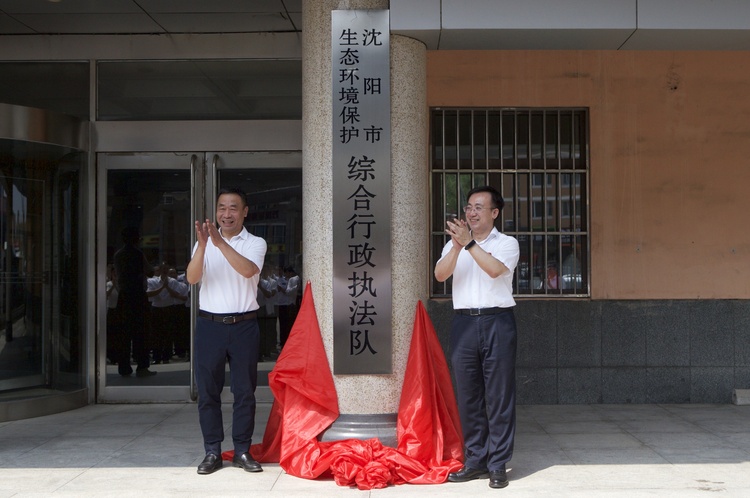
(483, 335)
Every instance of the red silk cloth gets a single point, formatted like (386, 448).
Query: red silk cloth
(429, 435)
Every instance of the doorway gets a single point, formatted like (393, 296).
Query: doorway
(158, 196)
(42, 341)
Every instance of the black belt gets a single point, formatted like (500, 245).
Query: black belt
(227, 318)
(482, 311)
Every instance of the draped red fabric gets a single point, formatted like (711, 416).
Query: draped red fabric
(430, 442)
(429, 429)
(305, 401)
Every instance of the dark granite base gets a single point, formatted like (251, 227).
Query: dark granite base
(665, 351)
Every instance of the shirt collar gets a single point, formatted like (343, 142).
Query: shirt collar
(493, 233)
(242, 235)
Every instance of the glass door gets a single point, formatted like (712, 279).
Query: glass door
(146, 212)
(42, 349)
(273, 183)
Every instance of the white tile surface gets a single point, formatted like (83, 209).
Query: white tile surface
(605, 450)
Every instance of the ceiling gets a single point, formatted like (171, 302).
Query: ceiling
(148, 16)
(241, 88)
(440, 24)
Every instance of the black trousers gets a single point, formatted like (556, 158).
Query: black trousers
(287, 315)
(483, 356)
(215, 344)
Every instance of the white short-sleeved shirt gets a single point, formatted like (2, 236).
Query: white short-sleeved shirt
(472, 287)
(222, 289)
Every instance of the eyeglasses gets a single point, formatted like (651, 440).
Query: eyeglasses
(478, 209)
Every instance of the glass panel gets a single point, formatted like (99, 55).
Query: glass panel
(550, 140)
(538, 263)
(551, 267)
(70, 356)
(508, 214)
(41, 343)
(452, 201)
(466, 183)
(464, 140)
(580, 196)
(438, 206)
(439, 288)
(537, 140)
(480, 179)
(148, 246)
(579, 141)
(493, 138)
(57, 86)
(523, 273)
(541, 153)
(199, 89)
(523, 203)
(566, 201)
(550, 189)
(450, 137)
(480, 140)
(566, 140)
(572, 277)
(508, 134)
(523, 143)
(275, 213)
(437, 140)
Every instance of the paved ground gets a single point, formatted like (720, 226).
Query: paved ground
(565, 450)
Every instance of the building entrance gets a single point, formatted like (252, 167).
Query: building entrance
(151, 202)
(42, 347)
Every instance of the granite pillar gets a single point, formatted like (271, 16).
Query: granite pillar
(368, 403)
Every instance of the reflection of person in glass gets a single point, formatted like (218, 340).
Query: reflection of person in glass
(286, 299)
(164, 292)
(131, 269)
(227, 262)
(113, 320)
(483, 335)
(267, 287)
(552, 281)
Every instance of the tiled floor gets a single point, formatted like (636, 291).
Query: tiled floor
(565, 450)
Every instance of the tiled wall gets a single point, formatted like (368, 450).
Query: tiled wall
(655, 351)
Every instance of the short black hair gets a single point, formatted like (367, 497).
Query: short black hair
(234, 190)
(497, 199)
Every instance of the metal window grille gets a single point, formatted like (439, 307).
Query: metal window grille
(538, 159)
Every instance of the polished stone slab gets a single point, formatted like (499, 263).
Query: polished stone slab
(561, 450)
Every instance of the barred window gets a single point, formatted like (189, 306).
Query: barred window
(538, 159)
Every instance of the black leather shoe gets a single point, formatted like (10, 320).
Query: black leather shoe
(467, 474)
(498, 479)
(210, 464)
(246, 462)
